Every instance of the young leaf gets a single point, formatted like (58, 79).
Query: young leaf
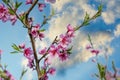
(113, 66)
(23, 73)
(101, 69)
(11, 11)
(42, 30)
(52, 12)
(14, 52)
(6, 1)
(100, 7)
(17, 4)
(89, 39)
(70, 48)
(15, 47)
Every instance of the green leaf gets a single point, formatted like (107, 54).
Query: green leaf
(14, 52)
(53, 12)
(69, 52)
(16, 48)
(6, 1)
(22, 17)
(70, 48)
(42, 71)
(42, 30)
(11, 11)
(97, 75)
(101, 69)
(86, 19)
(3, 75)
(100, 7)
(117, 78)
(113, 66)
(18, 4)
(89, 39)
(86, 23)
(23, 73)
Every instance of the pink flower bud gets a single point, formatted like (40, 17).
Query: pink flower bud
(41, 6)
(29, 1)
(22, 46)
(51, 71)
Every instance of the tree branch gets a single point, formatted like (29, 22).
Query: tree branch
(31, 7)
(48, 49)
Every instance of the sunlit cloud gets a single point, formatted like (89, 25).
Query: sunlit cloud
(112, 11)
(117, 31)
(29, 72)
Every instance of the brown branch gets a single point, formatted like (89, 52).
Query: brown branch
(92, 18)
(31, 8)
(31, 38)
(35, 54)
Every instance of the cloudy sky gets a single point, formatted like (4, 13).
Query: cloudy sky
(104, 31)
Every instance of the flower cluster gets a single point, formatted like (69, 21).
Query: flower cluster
(28, 53)
(112, 76)
(45, 70)
(35, 32)
(31, 1)
(7, 76)
(92, 50)
(59, 49)
(6, 16)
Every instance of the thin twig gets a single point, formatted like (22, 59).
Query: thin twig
(48, 49)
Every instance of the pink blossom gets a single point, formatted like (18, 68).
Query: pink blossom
(47, 61)
(22, 46)
(70, 31)
(109, 76)
(34, 32)
(29, 1)
(41, 6)
(51, 71)
(37, 27)
(13, 19)
(96, 52)
(50, 1)
(0, 52)
(43, 51)
(54, 50)
(30, 62)
(30, 20)
(44, 77)
(4, 15)
(93, 60)
(64, 40)
(9, 75)
(63, 56)
(88, 47)
(41, 35)
(28, 52)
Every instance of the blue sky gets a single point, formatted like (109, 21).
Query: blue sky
(104, 31)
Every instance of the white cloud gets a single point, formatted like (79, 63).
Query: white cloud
(69, 12)
(73, 12)
(112, 11)
(80, 54)
(29, 72)
(108, 17)
(117, 31)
